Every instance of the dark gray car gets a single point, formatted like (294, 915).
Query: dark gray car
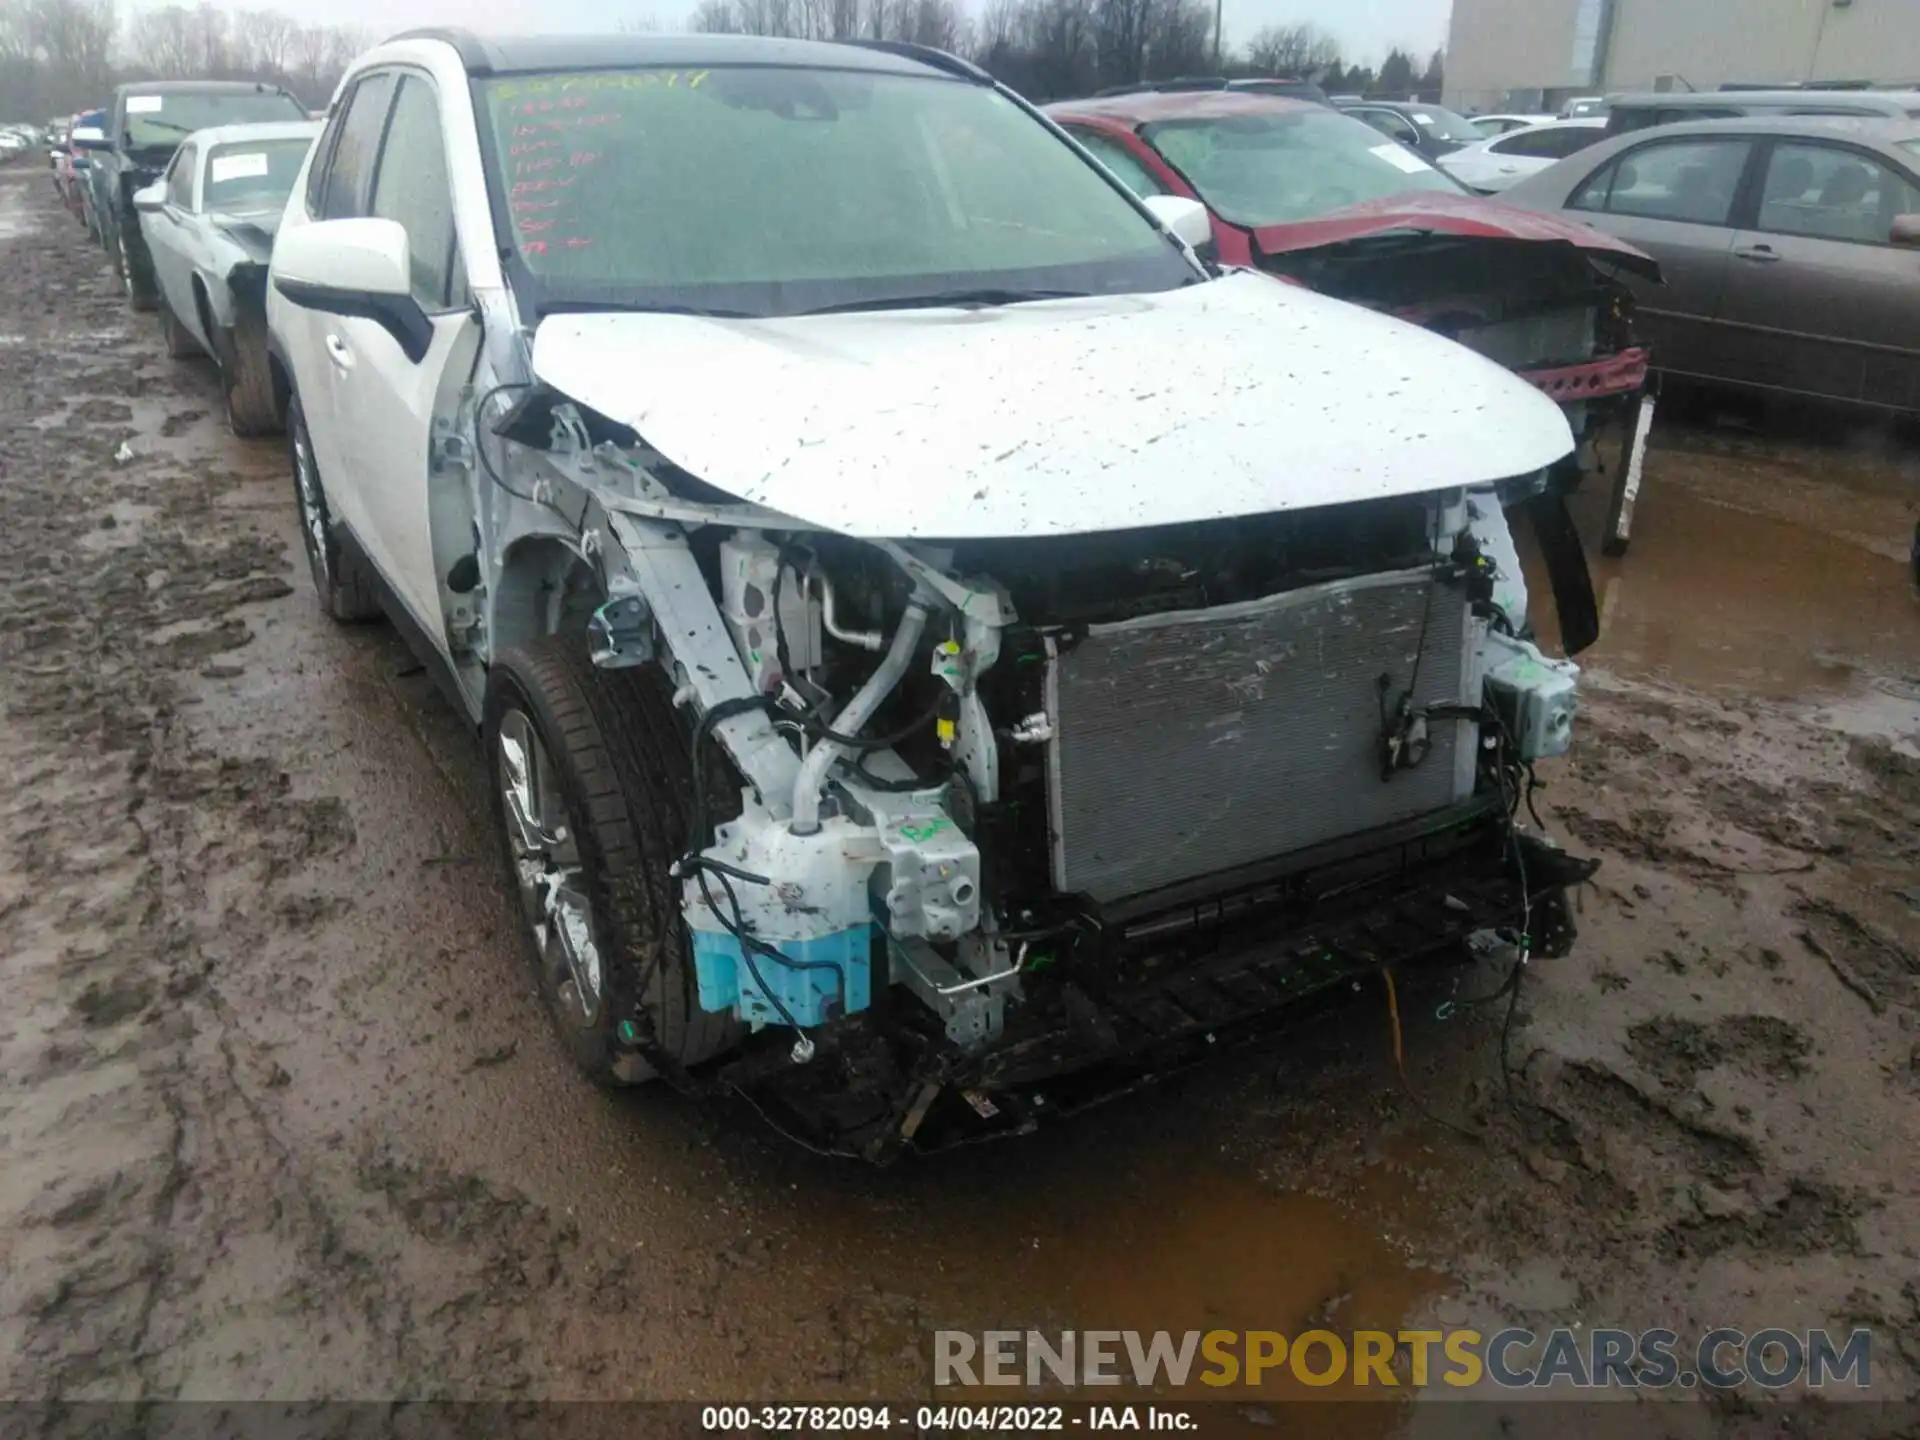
(1790, 247)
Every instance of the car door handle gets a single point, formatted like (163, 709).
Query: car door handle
(338, 352)
(1759, 254)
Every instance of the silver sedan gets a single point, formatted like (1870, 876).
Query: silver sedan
(209, 222)
(1790, 248)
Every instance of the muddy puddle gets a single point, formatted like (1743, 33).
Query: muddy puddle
(1777, 573)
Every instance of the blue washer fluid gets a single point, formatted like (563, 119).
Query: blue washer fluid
(812, 997)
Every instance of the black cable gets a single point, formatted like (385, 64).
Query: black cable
(480, 443)
(486, 461)
(698, 821)
(820, 731)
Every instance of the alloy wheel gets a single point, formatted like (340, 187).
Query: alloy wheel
(547, 868)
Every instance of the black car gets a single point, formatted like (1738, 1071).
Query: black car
(1432, 130)
(148, 121)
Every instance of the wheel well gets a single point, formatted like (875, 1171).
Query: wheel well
(543, 588)
(282, 383)
(204, 306)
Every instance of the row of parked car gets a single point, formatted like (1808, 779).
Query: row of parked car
(870, 522)
(183, 183)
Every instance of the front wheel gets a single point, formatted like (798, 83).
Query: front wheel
(591, 781)
(339, 578)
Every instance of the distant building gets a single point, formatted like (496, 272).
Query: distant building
(1536, 54)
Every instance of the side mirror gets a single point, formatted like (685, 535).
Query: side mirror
(354, 268)
(1906, 230)
(1186, 218)
(152, 198)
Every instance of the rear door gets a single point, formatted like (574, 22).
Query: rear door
(1825, 303)
(388, 397)
(1675, 199)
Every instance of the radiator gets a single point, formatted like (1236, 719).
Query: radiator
(1192, 743)
(1558, 337)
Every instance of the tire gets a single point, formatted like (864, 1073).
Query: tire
(622, 781)
(140, 293)
(246, 384)
(178, 340)
(340, 578)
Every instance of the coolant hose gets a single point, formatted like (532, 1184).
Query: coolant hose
(892, 668)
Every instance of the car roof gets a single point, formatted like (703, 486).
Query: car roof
(524, 54)
(200, 87)
(1891, 101)
(1147, 106)
(1885, 130)
(264, 130)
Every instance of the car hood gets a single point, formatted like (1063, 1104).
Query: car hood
(1442, 213)
(1236, 397)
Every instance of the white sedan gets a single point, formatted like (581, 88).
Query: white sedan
(1504, 161)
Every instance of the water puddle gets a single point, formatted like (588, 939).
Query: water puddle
(1760, 582)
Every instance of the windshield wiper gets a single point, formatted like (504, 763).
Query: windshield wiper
(948, 299)
(164, 125)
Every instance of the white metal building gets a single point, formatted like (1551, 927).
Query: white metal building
(1524, 53)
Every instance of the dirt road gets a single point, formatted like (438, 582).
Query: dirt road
(280, 1117)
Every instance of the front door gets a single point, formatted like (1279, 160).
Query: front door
(1674, 199)
(387, 400)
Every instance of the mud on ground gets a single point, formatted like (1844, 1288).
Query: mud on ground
(280, 1117)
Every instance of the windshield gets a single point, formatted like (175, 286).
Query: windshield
(253, 174)
(1270, 169)
(773, 190)
(164, 120)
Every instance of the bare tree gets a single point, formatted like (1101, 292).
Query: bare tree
(161, 42)
(1292, 50)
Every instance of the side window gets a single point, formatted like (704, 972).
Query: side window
(412, 188)
(1388, 123)
(1125, 165)
(1692, 181)
(1833, 194)
(343, 188)
(1554, 144)
(180, 177)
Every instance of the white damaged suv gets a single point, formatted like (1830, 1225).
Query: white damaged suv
(943, 650)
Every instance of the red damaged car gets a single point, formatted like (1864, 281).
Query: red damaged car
(1324, 200)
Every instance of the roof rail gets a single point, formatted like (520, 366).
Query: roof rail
(927, 55)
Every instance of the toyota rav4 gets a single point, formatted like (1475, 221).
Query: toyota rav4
(943, 651)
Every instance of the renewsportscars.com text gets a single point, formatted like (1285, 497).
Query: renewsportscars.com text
(1578, 1359)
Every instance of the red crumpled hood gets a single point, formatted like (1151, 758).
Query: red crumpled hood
(1448, 214)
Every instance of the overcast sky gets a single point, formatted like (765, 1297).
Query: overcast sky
(1365, 28)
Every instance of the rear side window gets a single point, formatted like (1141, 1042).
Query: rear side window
(1126, 166)
(343, 185)
(180, 178)
(412, 188)
(1691, 181)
